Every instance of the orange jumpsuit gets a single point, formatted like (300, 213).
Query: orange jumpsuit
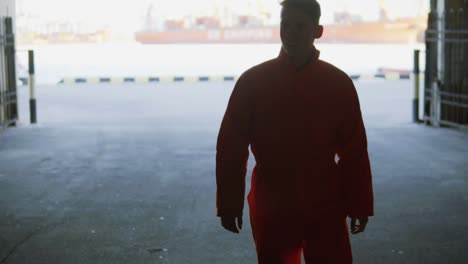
(296, 122)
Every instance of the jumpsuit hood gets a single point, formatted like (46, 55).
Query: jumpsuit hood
(284, 57)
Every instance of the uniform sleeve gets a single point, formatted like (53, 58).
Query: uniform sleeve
(354, 165)
(232, 151)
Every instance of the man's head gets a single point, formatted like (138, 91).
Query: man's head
(300, 25)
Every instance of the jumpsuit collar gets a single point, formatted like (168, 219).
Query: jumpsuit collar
(283, 56)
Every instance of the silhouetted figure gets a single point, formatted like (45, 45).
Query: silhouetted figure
(297, 113)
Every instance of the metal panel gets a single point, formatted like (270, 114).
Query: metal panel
(446, 82)
(8, 91)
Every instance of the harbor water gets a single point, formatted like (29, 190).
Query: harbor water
(55, 62)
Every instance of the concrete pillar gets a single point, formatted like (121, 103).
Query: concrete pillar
(441, 39)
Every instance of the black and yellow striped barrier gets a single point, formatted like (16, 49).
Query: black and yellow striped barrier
(393, 76)
(385, 76)
(143, 80)
(220, 78)
(396, 74)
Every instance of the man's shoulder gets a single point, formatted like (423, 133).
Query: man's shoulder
(259, 70)
(336, 79)
(333, 71)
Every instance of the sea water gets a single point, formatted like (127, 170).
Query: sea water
(55, 62)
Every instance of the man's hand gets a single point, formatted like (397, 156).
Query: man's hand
(358, 227)
(232, 223)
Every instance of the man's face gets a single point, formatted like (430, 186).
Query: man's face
(298, 31)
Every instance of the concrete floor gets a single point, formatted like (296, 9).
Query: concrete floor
(125, 174)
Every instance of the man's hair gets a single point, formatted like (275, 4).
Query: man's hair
(309, 7)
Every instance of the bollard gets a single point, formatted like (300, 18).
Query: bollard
(32, 100)
(416, 87)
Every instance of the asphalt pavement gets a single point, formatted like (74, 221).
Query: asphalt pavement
(126, 174)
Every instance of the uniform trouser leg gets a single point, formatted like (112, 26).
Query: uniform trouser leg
(328, 242)
(281, 240)
(276, 242)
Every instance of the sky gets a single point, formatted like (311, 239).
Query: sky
(128, 14)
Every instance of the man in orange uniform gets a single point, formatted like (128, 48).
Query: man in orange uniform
(302, 120)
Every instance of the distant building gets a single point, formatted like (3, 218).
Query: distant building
(7, 8)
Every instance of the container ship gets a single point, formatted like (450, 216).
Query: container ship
(346, 28)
